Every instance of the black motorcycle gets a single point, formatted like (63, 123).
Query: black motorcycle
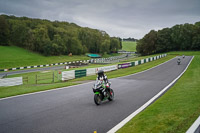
(102, 92)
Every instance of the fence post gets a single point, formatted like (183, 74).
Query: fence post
(36, 78)
(53, 77)
(57, 75)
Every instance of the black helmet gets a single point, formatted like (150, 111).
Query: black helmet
(100, 73)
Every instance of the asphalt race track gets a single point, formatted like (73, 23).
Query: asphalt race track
(72, 109)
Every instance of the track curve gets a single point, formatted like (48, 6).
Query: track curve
(72, 109)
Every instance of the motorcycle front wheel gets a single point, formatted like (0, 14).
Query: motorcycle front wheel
(111, 97)
(97, 99)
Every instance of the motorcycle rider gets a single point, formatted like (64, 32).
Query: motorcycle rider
(101, 76)
(179, 60)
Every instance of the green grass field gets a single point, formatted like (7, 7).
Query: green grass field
(176, 110)
(129, 46)
(12, 56)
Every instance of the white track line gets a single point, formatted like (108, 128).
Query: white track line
(127, 119)
(75, 85)
(195, 126)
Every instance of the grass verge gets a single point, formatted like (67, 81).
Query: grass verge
(177, 109)
(29, 88)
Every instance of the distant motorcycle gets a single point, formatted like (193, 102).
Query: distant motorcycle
(102, 92)
(179, 61)
(183, 56)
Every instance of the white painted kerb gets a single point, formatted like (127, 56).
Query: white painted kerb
(195, 128)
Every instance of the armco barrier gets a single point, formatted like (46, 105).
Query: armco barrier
(146, 60)
(91, 71)
(132, 63)
(11, 81)
(107, 68)
(151, 59)
(125, 65)
(142, 61)
(139, 62)
(66, 75)
(136, 63)
(47, 65)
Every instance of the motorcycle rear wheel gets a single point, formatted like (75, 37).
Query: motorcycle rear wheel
(97, 99)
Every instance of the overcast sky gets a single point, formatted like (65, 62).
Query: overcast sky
(120, 18)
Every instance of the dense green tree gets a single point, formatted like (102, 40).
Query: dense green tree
(61, 48)
(41, 38)
(54, 38)
(29, 40)
(114, 44)
(187, 35)
(176, 37)
(179, 37)
(196, 42)
(4, 31)
(140, 46)
(105, 47)
(163, 42)
(19, 33)
(120, 43)
(196, 37)
(148, 44)
(76, 47)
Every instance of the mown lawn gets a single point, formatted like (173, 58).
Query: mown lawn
(129, 46)
(176, 110)
(12, 56)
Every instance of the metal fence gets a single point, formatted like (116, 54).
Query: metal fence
(43, 78)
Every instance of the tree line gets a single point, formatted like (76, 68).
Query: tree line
(130, 39)
(179, 37)
(54, 37)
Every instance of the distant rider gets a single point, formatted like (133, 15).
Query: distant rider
(179, 60)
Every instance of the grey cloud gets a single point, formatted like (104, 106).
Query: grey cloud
(123, 18)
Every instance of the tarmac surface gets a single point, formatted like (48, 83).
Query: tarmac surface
(72, 109)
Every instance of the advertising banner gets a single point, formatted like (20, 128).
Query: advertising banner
(66, 75)
(125, 65)
(107, 68)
